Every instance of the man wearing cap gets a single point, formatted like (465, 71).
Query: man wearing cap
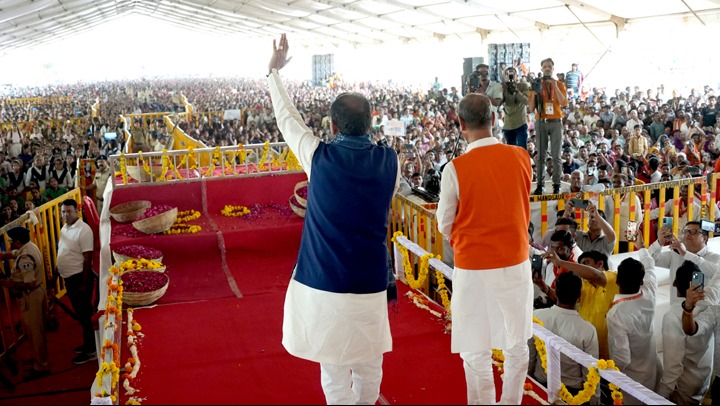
(28, 280)
(140, 137)
(74, 264)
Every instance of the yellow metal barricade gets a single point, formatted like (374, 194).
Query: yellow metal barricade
(45, 233)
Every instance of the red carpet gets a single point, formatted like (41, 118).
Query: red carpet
(202, 345)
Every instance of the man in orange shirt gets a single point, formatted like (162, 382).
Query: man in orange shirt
(492, 286)
(547, 99)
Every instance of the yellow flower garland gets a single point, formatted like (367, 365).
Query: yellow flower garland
(141, 263)
(234, 211)
(424, 266)
(229, 163)
(242, 153)
(443, 291)
(187, 215)
(591, 383)
(264, 156)
(123, 168)
(215, 158)
(145, 164)
(164, 167)
(182, 228)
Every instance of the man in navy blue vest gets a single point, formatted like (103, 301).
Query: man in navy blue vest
(336, 305)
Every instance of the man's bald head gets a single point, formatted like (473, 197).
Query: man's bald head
(475, 111)
(350, 112)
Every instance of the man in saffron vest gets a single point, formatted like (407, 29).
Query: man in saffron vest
(484, 211)
(336, 305)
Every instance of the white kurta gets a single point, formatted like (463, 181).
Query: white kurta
(569, 325)
(630, 330)
(325, 326)
(706, 260)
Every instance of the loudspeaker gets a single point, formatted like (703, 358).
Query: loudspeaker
(322, 67)
(469, 65)
(506, 54)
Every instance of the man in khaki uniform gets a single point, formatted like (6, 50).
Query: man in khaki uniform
(28, 281)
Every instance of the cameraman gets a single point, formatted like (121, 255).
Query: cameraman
(547, 98)
(515, 128)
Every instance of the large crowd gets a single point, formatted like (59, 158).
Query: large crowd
(610, 138)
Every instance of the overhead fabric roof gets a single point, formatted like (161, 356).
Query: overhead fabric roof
(24, 24)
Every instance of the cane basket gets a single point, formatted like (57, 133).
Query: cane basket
(122, 258)
(158, 223)
(300, 211)
(298, 186)
(145, 298)
(130, 211)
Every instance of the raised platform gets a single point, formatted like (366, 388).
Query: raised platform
(215, 337)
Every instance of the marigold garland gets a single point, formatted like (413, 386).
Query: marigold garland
(187, 215)
(164, 167)
(230, 168)
(242, 153)
(443, 291)
(181, 228)
(123, 168)
(264, 157)
(590, 385)
(235, 211)
(213, 162)
(414, 283)
(145, 164)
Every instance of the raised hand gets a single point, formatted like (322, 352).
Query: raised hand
(279, 58)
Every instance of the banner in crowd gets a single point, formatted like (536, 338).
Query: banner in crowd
(395, 127)
(233, 114)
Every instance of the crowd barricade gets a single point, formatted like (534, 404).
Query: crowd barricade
(44, 223)
(29, 126)
(38, 100)
(188, 108)
(187, 164)
(554, 345)
(701, 191)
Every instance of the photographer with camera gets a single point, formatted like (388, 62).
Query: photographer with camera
(547, 98)
(515, 128)
(479, 82)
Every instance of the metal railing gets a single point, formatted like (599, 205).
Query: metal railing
(555, 345)
(184, 165)
(417, 219)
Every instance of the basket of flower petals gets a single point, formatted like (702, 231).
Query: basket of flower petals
(128, 252)
(141, 288)
(130, 211)
(301, 192)
(298, 208)
(140, 265)
(156, 219)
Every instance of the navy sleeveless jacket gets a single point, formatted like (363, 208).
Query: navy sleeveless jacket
(344, 240)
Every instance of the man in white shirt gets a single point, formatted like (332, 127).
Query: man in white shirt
(74, 264)
(564, 320)
(692, 247)
(630, 321)
(687, 359)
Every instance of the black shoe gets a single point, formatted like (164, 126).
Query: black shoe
(35, 374)
(538, 190)
(84, 357)
(556, 189)
(79, 349)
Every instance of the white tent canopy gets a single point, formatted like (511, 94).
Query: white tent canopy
(617, 43)
(340, 22)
